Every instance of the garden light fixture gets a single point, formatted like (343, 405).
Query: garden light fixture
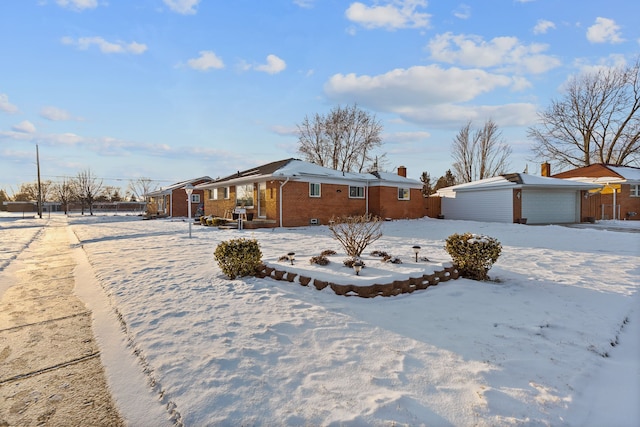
(357, 266)
(291, 256)
(416, 249)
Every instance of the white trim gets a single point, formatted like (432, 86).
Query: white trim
(364, 192)
(404, 190)
(315, 196)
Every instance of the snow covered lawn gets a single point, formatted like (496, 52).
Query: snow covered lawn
(553, 340)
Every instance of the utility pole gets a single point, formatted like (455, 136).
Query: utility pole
(39, 185)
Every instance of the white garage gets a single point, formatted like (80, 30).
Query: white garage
(515, 197)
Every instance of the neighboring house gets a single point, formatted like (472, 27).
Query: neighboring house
(172, 200)
(291, 193)
(619, 196)
(516, 197)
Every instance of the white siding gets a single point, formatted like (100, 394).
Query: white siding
(550, 207)
(488, 206)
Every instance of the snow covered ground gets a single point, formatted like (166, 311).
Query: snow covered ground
(553, 340)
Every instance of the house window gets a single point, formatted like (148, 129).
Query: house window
(225, 192)
(195, 198)
(635, 190)
(213, 194)
(314, 189)
(244, 195)
(356, 192)
(403, 193)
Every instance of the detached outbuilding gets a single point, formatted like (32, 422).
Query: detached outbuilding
(516, 197)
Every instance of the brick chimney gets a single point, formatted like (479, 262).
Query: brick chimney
(546, 169)
(402, 171)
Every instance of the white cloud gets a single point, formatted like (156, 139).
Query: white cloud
(604, 64)
(452, 115)
(417, 85)
(501, 52)
(307, 4)
(463, 11)
(24, 126)
(274, 65)
(543, 26)
(391, 16)
(84, 43)
(184, 7)
(77, 5)
(402, 137)
(6, 106)
(57, 114)
(284, 130)
(432, 95)
(205, 61)
(605, 30)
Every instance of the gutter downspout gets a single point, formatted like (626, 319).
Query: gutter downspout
(367, 200)
(280, 197)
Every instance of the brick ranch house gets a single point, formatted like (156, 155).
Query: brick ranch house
(171, 200)
(292, 193)
(619, 197)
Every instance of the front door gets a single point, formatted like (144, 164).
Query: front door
(262, 200)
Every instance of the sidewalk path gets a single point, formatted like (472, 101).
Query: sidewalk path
(50, 369)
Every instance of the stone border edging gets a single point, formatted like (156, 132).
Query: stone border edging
(394, 288)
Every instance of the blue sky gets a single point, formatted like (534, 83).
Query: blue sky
(178, 89)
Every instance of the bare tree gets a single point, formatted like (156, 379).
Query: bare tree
(355, 233)
(345, 139)
(596, 121)
(141, 187)
(87, 187)
(64, 192)
(480, 154)
(29, 191)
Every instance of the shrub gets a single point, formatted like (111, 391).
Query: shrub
(328, 252)
(473, 254)
(320, 260)
(355, 233)
(391, 259)
(218, 221)
(350, 261)
(238, 257)
(380, 254)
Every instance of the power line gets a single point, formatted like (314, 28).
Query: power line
(111, 179)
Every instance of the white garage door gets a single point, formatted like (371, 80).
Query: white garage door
(550, 207)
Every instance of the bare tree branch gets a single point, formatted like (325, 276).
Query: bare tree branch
(596, 121)
(480, 154)
(344, 139)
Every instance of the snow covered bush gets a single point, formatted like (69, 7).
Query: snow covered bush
(238, 257)
(320, 260)
(473, 254)
(355, 233)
